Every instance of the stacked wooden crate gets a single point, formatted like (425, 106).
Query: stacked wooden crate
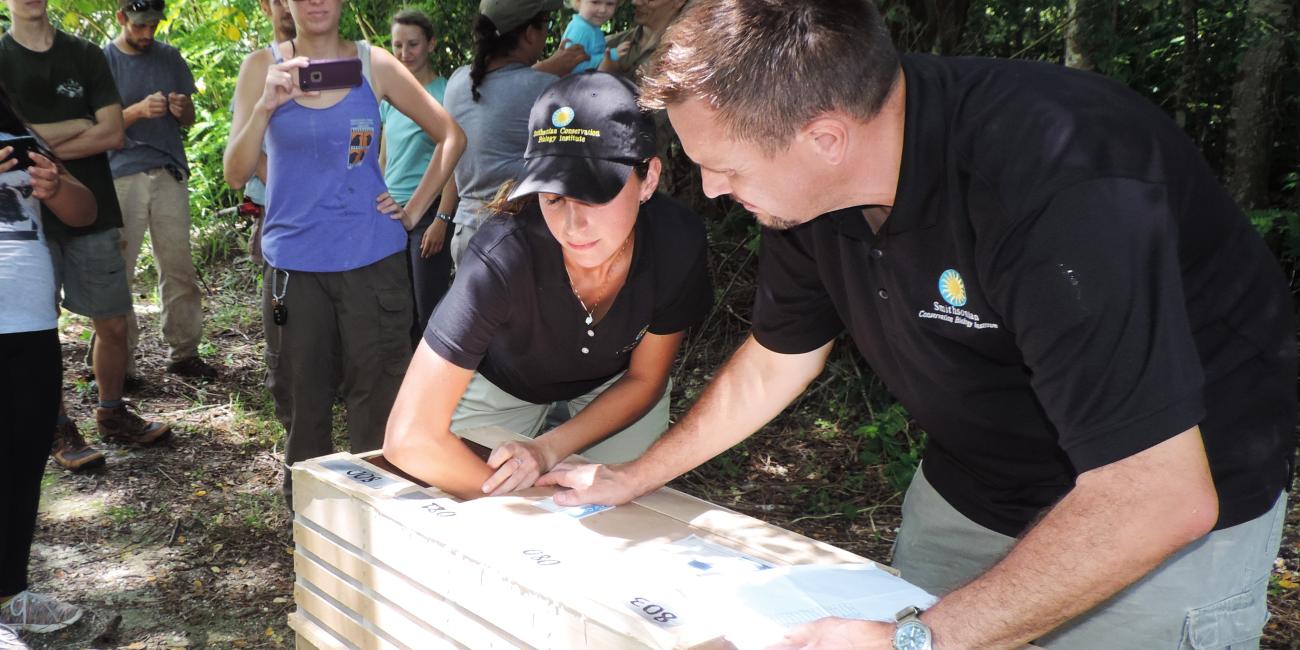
(382, 563)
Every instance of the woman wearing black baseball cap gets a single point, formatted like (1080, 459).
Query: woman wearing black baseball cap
(579, 289)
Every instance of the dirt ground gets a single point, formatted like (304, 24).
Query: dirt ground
(187, 545)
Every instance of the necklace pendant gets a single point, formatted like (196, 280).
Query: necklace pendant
(589, 319)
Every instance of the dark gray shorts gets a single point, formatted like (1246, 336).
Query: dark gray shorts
(90, 272)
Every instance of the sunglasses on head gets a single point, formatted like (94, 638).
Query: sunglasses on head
(146, 5)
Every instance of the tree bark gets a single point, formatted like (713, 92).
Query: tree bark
(1254, 112)
(946, 20)
(1088, 33)
(1186, 96)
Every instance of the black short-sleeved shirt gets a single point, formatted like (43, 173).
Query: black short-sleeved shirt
(1061, 283)
(511, 313)
(69, 81)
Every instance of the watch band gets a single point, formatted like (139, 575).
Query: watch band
(443, 216)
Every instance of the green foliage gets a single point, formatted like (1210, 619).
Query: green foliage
(1281, 230)
(888, 441)
(122, 514)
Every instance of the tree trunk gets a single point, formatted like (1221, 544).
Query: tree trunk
(1185, 98)
(1254, 113)
(1088, 33)
(946, 20)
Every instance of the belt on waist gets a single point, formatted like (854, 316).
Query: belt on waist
(19, 235)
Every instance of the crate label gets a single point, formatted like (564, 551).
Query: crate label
(539, 557)
(651, 609)
(437, 507)
(577, 512)
(356, 473)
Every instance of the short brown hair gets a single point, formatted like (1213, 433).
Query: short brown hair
(769, 66)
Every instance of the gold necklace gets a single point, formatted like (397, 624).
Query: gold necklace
(591, 313)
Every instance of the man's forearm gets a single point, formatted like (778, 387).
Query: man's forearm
(57, 133)
(95, 140)
(753, 387)
(132, 114)
(1115, 526)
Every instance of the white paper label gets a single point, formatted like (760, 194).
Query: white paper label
(654, 611)
(577, 512)
(359, 474)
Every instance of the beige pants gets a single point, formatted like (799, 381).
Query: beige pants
(1212, 593)
(484, 404)
(152, 200)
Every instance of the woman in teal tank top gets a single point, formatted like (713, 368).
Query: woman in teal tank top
(404, 153)
(336, 300)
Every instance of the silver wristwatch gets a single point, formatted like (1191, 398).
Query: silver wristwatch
(911, 633)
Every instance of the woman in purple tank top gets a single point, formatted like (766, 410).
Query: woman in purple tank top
(336, 294)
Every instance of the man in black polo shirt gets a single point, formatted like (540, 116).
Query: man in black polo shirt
(1045, 272)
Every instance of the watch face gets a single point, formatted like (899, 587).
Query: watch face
(912, 635)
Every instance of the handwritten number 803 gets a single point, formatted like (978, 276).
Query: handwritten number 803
(655, 612)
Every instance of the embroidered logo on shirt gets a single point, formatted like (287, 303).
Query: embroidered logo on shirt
(363, 133)
(70, 89)
(952, 288)
(562, 117)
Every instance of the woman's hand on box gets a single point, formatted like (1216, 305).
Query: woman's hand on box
(517, 465)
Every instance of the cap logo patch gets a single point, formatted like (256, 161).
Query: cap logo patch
(562, 117)
(952, 288)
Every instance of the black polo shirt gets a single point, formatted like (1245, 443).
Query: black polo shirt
(1061, 283)
(511, 313)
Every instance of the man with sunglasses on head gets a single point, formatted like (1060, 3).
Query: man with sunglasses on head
(63, 83)
(150, 174)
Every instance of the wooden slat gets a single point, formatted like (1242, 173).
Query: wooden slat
(376, 580)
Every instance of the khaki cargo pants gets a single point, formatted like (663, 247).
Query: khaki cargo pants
(154, 201)
(1211, 594)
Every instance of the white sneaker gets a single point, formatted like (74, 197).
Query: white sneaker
(9, 639)
(33, 612)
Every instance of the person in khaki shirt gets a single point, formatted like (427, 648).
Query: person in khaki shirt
(636, 46)
(634, 50)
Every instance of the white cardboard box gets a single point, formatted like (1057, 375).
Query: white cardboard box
(382, 563)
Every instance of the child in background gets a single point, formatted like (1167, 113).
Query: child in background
(585, 30)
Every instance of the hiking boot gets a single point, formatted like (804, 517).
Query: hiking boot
(38, 613)
(192, 367)
(71, 451)
(121, 425)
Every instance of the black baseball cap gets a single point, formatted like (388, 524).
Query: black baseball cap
(143, 12)
(585, 134)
